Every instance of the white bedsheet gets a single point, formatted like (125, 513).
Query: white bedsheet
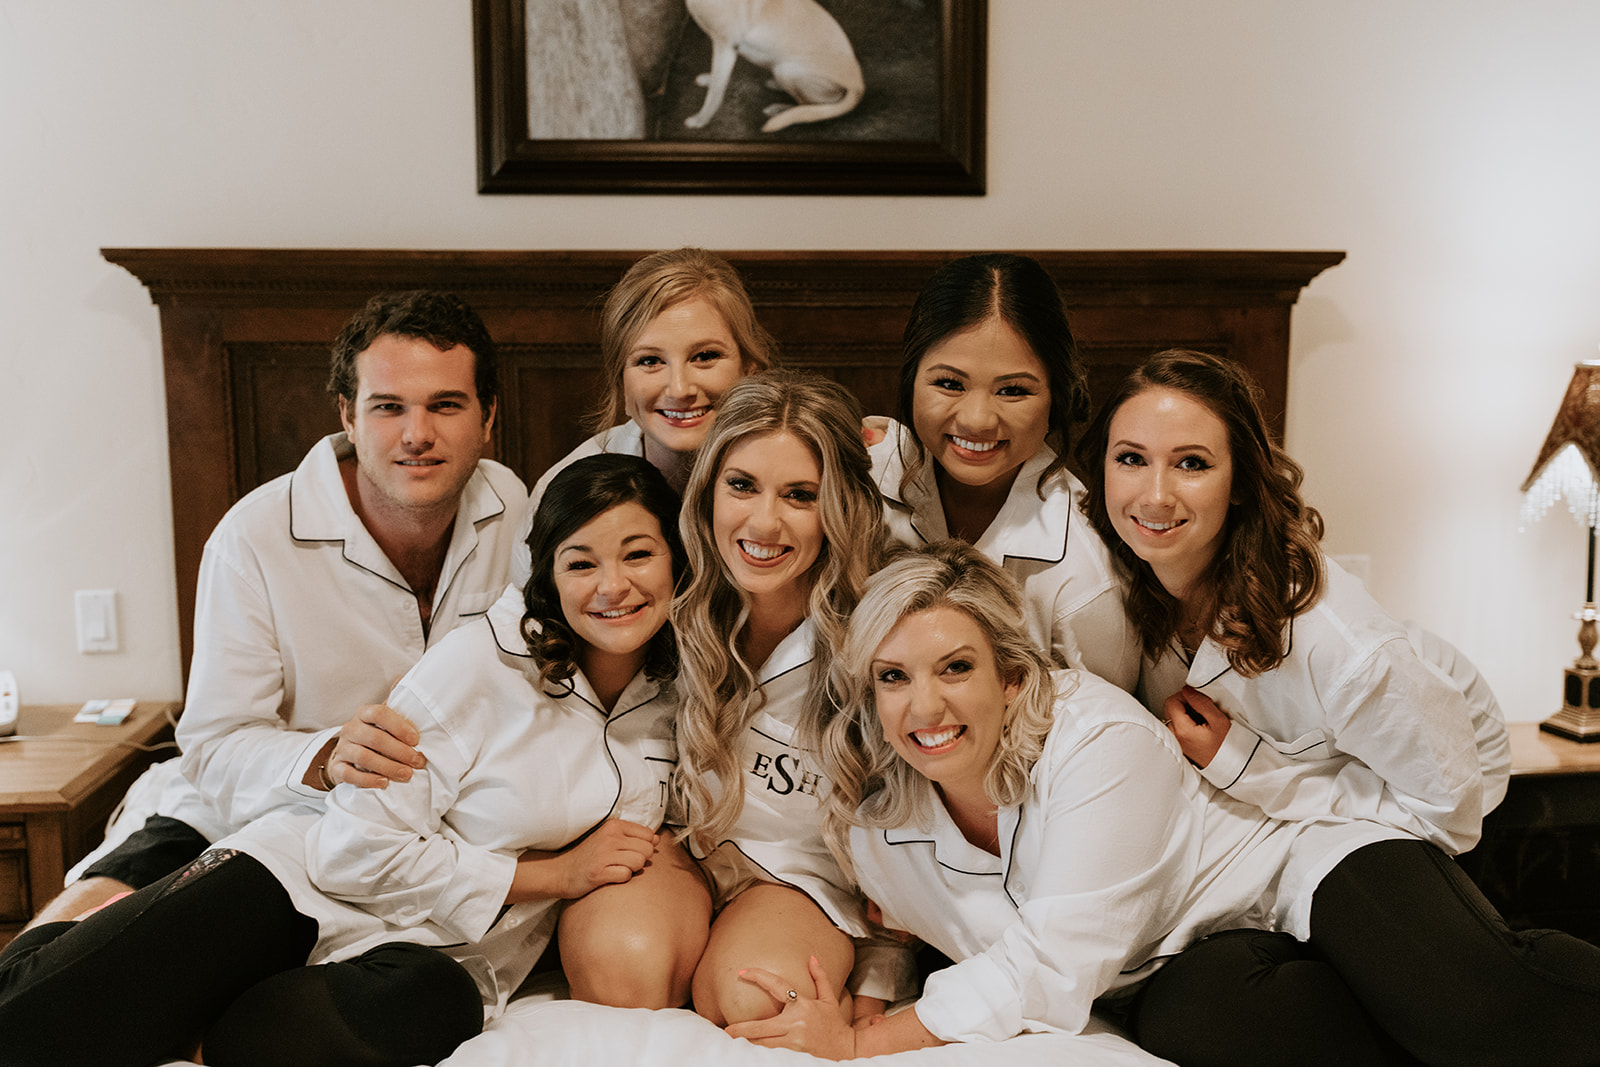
(545, 1031)
(542, 1030)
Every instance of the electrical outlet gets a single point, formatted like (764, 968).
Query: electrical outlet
(97, 620)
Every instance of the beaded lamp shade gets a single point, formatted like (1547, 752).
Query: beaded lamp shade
(1568, 468)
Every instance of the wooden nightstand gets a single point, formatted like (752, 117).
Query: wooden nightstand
(1539, 859)
(56, 793)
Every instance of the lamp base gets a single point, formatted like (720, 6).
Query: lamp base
(1579, 717)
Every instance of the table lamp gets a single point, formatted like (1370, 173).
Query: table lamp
(1568, 468)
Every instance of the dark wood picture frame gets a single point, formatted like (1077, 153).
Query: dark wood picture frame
(509, 161)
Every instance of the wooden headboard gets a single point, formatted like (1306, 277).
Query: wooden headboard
(245, 333)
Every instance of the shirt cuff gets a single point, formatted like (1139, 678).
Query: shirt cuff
(476, 894)
(1227, 766)
(306, 760)
(972, 1001)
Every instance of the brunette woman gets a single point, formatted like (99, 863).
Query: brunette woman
(990, 389)
(384, 931)
(1290, 688)
(1330, 708)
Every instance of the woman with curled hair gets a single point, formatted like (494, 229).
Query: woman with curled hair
(1046, 833)
(675, 333)
(1330, 708)
(1289, 687)
(385, 930)
(781, 523)
(991, 388)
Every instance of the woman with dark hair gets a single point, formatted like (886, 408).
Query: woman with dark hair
(990, 389)
(1291, 689)
(1330, 708)
(383, 931)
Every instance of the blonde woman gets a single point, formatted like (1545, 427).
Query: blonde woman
(781, 523)
(1045, 832)
(675, 333)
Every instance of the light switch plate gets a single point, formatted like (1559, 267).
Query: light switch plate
(97, 620)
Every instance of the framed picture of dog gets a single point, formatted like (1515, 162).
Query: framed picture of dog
(842, 97)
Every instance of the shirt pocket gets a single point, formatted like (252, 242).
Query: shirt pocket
(647, 768)
(477, 602)
(1308, 747)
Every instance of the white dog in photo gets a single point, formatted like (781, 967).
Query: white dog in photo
(807, 52)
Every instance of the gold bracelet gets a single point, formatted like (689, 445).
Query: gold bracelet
(322, 772)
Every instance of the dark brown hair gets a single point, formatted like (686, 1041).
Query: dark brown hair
(441, 319)
(972, 290)
(581, 492)
(1269, 568)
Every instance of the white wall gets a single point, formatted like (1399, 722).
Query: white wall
(1448, 145)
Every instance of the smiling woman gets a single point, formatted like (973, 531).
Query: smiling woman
(782, 525)
(388, 929)
(990, 387)
(675, 333)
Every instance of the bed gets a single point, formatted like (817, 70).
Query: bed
(244, 344)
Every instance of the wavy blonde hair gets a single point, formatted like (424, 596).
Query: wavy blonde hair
(720, 693)
(652, 285)
(870, 784)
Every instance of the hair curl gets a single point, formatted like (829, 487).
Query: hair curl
(870, 784)
(575, 497)
(652, 285)
(1269, 568)
(970, 291)
(720, 693)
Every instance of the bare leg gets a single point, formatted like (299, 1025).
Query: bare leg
(635, 945)
(776, 928)
(86, 894)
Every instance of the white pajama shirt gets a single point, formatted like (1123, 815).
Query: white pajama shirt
(513, 764)
(1072, 598)
(779, 830)
(1117, 856)
(1354, 722)
(300, 619)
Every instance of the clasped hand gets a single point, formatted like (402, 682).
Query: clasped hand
(1197, 723)
(375, 748)
(809, 1022)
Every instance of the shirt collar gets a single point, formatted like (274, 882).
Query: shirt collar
(1025, 528)
(319, 510)
(794, 651)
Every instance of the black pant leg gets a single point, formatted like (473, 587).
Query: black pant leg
(1439, 969)
(397, 1005)
(1249, 997)
(139, 980)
